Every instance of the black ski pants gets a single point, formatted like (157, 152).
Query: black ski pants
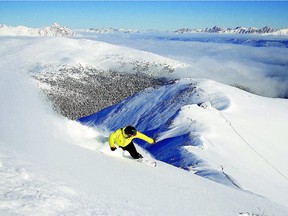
(132, 151)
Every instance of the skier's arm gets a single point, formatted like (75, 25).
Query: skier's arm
(144, 137)
(111, 140)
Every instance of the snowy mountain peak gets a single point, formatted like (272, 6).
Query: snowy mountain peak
(56, 25)
(57, 30)
(54, 30)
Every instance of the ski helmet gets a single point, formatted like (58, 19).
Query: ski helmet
(130, 131)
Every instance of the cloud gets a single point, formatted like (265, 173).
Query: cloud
(261, 69)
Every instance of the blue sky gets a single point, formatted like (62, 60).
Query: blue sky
(162, 15)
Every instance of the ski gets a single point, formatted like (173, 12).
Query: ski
(147, 162)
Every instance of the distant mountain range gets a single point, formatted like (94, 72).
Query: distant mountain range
(215, 29)
(110, 30)
(58, 30)
(53, 30)
(237, 30)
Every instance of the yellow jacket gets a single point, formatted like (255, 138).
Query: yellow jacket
(122, 140)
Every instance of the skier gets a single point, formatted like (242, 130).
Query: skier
(123, 138)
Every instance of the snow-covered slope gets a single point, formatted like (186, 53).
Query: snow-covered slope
(216, 131)
(46, 54)
(53, 166)
(53, 30)
(50, 174)
(80, 63)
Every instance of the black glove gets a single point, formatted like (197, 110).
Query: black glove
(113, 148)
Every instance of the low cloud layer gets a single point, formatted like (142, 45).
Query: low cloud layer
(263, 70)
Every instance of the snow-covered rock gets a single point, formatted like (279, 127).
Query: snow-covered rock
(78, 91)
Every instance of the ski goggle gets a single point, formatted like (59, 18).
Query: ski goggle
(130, 135)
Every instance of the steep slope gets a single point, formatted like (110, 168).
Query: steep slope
(214, 130)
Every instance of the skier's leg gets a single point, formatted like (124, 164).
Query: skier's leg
(132, 151)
